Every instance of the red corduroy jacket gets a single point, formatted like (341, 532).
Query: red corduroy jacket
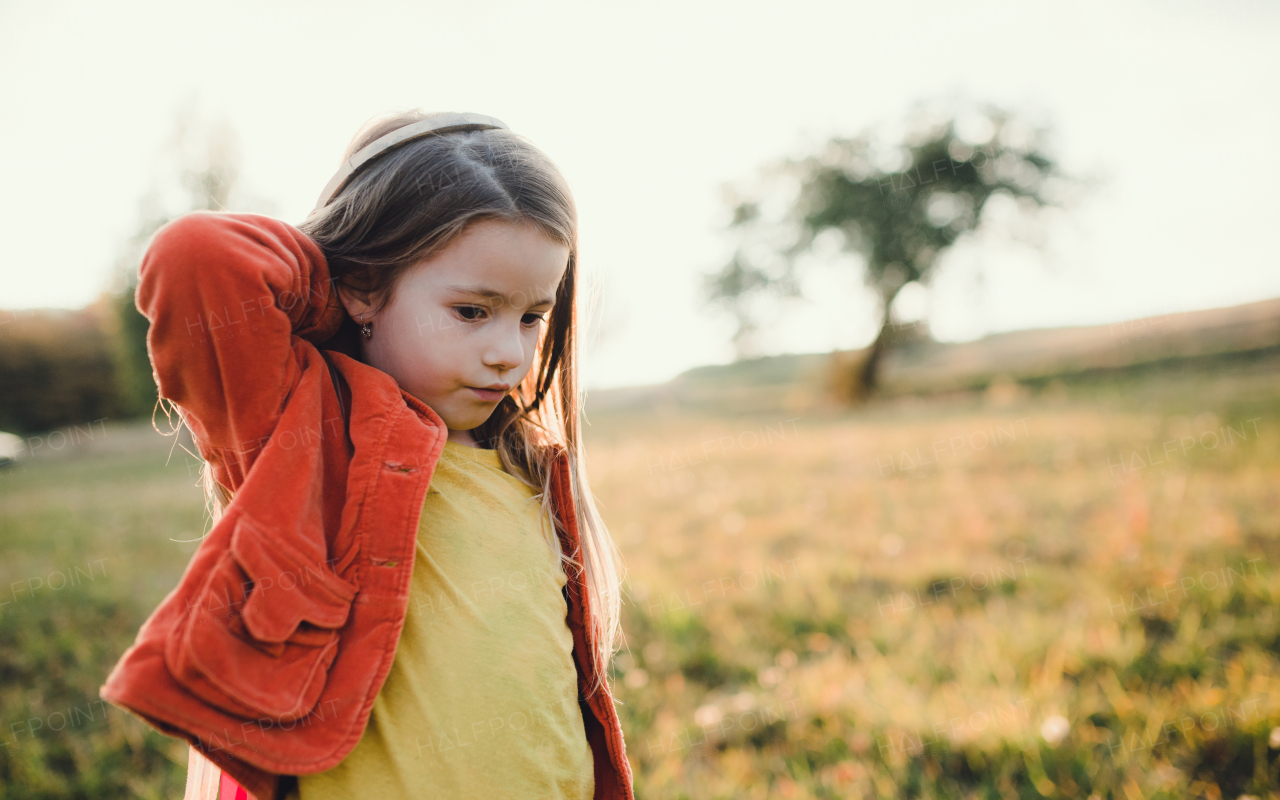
(268, 655)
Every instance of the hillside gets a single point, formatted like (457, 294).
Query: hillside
(1030, 356)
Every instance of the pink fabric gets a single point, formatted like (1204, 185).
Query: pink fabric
(230, 790)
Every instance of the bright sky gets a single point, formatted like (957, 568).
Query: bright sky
(649, 109)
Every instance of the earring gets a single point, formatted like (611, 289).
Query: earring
(366, 328)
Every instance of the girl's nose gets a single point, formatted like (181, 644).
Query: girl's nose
(506, 350)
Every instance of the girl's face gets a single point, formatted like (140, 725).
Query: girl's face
(460, 328)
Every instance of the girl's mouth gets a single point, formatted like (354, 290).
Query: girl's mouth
(489, 395)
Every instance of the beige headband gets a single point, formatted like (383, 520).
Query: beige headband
(444, 122)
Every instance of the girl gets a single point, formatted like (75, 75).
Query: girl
(408, 590)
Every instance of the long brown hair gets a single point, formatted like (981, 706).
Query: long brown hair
(411, 203)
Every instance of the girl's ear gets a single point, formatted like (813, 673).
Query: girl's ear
(356, 302)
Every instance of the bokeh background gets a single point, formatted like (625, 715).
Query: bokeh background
(932, 354)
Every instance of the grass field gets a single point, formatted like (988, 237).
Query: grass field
(1061, 592)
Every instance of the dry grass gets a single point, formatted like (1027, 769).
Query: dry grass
(827, 615)
(811, 611)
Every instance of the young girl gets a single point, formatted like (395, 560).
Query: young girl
(408, 591)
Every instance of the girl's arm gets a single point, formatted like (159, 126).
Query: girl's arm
(228, 296)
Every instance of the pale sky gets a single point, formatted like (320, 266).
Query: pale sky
(649, 109)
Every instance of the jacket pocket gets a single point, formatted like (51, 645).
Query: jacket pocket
(259, 637)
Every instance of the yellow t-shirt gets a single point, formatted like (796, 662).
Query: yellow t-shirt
(482, 698)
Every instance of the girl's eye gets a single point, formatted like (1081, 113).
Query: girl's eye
(473, 313)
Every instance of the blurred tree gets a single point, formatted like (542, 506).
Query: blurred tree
(133, 380)
(895, 205)
(62, 367)
(55, 368)
(199, 170)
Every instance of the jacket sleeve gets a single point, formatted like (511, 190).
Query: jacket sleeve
(229, 297)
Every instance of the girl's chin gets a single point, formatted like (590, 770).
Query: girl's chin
(468, 421)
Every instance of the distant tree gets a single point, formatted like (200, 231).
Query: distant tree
(62, 367)
(199, 170)
(896, 206)
(133, 380)
(55, 368)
